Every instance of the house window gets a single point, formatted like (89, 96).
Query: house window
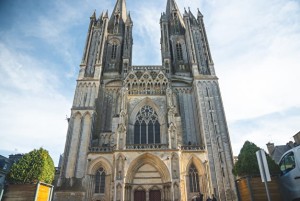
(179, 51)
(146, 127)
(100, 181)
(194, 179)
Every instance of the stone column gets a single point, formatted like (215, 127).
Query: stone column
(90, 186)
(147, 195)
(166, 196)
(127, 196)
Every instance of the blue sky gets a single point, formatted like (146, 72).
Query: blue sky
(255, 47)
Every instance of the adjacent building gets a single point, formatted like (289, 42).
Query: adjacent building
(5, 165)
(4, 168)
(145, 132)
(277, 151)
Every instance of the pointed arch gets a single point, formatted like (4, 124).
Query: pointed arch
(150, 102)
(100, 180)
(194, 179)
(87, 113)
(146, 126)
(134, 126)
(98, 162)
(147, 159)
(139, 188)
(76, 114)
(195, 175)
(198, 164)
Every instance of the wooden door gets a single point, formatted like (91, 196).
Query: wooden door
(154, 195)
(140, 195)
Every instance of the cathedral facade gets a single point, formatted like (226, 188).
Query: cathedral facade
(146, 133)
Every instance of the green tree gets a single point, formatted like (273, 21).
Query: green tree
(247, 162)
(34, 166)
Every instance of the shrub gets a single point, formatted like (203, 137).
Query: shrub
(34, 166)
(247, 162)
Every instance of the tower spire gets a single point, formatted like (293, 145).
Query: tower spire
(171, 7)
(120, 9)
(118, 18)
(172, 12)
(199, 14)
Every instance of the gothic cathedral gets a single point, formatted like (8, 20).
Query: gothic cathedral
(147, 133)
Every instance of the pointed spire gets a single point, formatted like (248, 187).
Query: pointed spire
(106, 14)
(93, 16)
(101, 15)
(191, 15)
(185, 13)
(120, 8)
(199, 14)
(172, 10)
(171, 7)
(128, 20)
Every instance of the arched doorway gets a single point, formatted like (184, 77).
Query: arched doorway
(148, 179)
(139, 195)
(154, 195)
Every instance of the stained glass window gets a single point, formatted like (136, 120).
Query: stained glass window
(146, 127)
(100, 181)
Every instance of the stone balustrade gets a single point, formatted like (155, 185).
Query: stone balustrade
(192, 148)
(147, 146)
(102, 149)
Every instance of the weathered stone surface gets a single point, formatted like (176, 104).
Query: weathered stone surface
(146, 128)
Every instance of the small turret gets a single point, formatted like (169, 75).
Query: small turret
(128, 20)
(199, 15)
(106, 14)
(93, 16)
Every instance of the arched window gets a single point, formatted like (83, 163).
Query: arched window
(146, 127)
(179, 51)
(114, 51)
(194, 179)
(100, 181)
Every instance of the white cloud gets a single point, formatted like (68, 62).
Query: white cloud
(255, 46)
(259, 80)
(23, 73)
(278, 128)
(146, 30)
(32, 108)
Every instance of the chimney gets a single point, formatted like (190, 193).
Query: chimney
(271, 148)
(297, 138)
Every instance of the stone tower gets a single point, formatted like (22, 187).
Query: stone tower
(146, 133)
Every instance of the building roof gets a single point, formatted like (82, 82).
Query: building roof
(280, 150)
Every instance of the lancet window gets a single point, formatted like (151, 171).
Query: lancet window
(194, 179)
(179, 51)
(114, 51)
(100, 181)
(146, 127)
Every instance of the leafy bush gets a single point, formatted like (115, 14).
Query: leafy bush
(34, 166)
(247, 162)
